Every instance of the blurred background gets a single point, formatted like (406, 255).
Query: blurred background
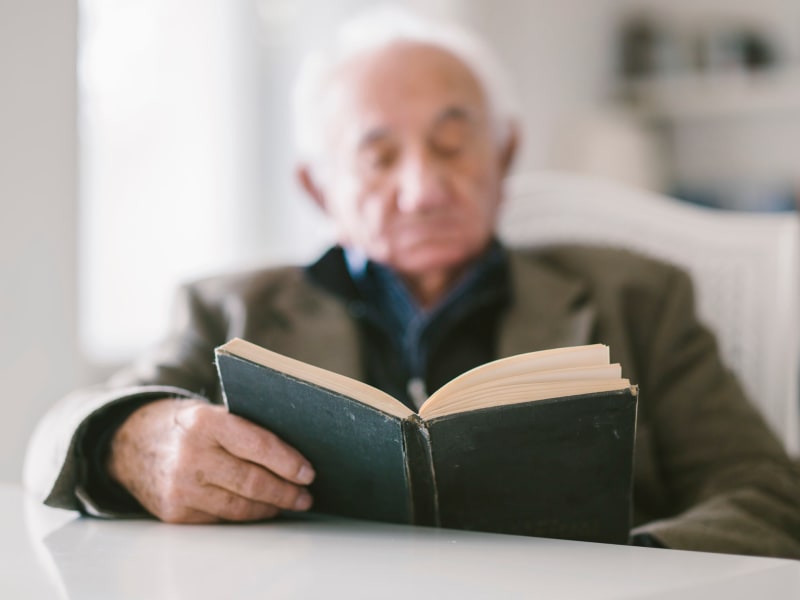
(145, 143)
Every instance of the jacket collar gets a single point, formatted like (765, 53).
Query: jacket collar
(549, 309)
(316, 324)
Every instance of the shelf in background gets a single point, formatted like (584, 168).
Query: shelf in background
(718, 96)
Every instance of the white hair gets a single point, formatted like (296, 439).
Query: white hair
(375, 29)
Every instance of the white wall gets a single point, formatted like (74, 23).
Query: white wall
(559, 57)
(38, 196)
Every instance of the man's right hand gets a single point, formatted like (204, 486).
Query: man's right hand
(187, 461)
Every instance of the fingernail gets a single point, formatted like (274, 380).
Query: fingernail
(303, 501)
(305, 475)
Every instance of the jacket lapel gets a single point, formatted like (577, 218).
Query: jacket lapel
(549, 309)
(316, 328)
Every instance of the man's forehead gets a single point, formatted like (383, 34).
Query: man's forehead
(403, 82)
(417, 58)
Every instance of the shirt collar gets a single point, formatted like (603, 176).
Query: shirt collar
(415, 331)
(375, 293)
(370, 277)
(356, 262)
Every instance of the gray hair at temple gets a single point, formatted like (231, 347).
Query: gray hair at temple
(377, 28)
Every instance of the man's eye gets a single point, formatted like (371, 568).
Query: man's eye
(380, 159)
(448, 150)
(450, 139)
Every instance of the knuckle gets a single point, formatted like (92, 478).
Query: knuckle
(291, 495)
(284, 495)
(268, 512)
(251, 482)
(235, 508)
(170, 513)
(170, 517)
(267, 443)
(194, 416)
(282, 460)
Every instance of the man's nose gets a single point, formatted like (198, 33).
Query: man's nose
(421, 186)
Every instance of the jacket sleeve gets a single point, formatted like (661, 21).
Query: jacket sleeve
(731, 485)
(181, 366)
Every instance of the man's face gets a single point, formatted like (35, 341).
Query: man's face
(414, 170)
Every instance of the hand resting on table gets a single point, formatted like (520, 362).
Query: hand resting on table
(190, 462)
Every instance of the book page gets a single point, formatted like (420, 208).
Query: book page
(559, 377)
(525, 377)
(532, 376)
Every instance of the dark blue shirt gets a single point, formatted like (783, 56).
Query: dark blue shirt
(410, 352)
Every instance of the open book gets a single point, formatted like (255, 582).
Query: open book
(536, 444)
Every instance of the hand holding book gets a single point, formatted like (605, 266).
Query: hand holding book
(187, 461)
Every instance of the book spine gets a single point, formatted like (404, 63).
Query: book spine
(421, 478)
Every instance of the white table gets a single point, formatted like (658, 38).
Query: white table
(50, 554)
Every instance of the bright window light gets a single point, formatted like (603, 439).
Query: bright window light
(161, 175)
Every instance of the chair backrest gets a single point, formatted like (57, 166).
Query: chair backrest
(745, 268)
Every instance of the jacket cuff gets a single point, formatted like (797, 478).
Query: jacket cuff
(99, 494)
(55, 466)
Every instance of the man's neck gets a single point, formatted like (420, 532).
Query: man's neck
(430, 289)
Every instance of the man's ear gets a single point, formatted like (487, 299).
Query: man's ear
(306, 180)
(509, 150)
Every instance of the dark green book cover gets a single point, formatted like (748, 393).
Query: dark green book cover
(552, 468)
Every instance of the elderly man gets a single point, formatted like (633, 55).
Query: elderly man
(406, 150)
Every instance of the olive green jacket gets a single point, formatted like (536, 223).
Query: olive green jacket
(709, 475)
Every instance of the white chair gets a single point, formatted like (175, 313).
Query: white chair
(745, 268)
